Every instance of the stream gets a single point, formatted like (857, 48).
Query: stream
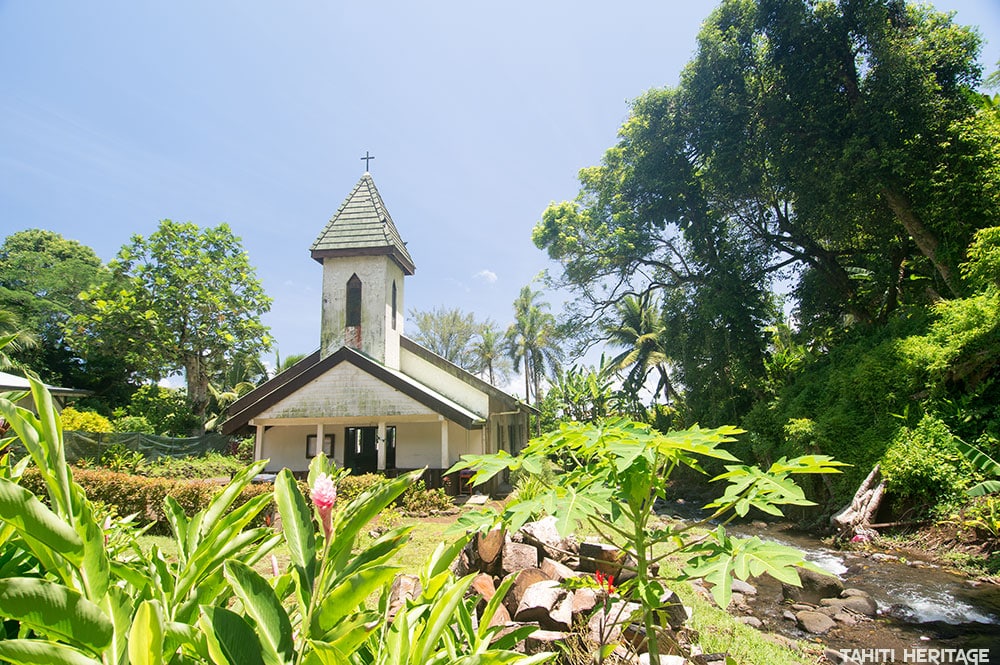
(920, 605)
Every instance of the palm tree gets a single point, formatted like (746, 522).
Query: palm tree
(488, 352)
(532, 341)
(640, 331)
(13, 339)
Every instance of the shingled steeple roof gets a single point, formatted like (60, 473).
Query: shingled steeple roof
(362, 227)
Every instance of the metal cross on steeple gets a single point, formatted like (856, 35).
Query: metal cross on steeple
(367, 158)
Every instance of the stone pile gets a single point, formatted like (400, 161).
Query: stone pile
(539, 560)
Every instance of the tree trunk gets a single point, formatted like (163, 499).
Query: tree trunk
(855, 518)
(925, 239)
(197, 389)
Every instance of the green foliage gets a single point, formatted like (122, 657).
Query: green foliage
(985, 465)
(91, 599)
(118, 458)
(183, 299)
(923, 465)
(449, 333)
(85, 421)
(209, 465)
(139, 424)
(420, 501)
(609, 476)
(167, 410)
(350, 488)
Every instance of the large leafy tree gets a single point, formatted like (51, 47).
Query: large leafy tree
(183, 299)
(41, 277)
(835, 146)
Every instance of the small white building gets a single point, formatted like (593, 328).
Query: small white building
(377, 400)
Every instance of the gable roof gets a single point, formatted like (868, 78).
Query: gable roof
(362, 226)
(312, 367)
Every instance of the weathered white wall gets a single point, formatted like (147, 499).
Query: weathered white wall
(346, 391)
(377, 273)
(450, 386)
(286, 447)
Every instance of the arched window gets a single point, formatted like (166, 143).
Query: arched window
(353, 302)
(393, 305)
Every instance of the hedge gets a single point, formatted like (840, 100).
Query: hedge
(143, 496)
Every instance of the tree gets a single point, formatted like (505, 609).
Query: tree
(41, 277)
(185, 299)
(833, 145)
(488, 350)
(640, 331)
(448, 333)
(532, 340)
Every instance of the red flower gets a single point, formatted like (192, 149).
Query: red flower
(605, 582)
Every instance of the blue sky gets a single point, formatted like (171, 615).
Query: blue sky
(115, 115)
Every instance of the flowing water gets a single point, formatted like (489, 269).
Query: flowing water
(920, 605)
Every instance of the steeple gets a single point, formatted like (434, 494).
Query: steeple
(364, 263)
(362, 227)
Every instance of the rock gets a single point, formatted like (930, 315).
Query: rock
(404, 587)
(600, 556)
(604, 628)
(584, 601)
(737, 601)
(556, 570)
(488, 547)
(483, 585)
(845, 619)
(860, 604)
(788, 615)
(664, 660)
(548, 604)
(799, 607)
(745, 588)
(544, 640)
(518, 556)
(525, 578)
(837, 657)
(752, 621)
(816, 623)
(544, 535)
(847, 593)
(672, 611)
(815, 586)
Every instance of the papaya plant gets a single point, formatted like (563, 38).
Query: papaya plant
(610, 474)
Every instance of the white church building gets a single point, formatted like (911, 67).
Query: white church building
(372, 399)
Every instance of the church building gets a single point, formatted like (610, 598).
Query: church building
(371, 398)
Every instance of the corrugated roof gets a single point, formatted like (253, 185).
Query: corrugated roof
(362, 226)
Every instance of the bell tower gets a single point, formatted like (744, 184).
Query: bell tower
(364, 263)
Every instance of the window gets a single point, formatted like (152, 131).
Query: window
(327, 445)
(394, 305)
(353, 302)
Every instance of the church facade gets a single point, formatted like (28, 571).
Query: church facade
(371, 398)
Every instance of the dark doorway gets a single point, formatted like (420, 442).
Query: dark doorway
(360, 450)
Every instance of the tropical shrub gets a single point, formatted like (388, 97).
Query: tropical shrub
(137, 424)
(85, 421)
(119, 458)
(923, 465)
(167, 410)
(76, 589)
(609, 477)
(209, 465)
(420, 501)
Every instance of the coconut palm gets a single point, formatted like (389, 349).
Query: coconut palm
(488, 351)
(532, 341)
(639, 330)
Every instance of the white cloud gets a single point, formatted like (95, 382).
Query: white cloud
(486, 275)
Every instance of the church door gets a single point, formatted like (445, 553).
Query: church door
(360, 451)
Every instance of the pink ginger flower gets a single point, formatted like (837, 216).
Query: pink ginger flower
(324, 495)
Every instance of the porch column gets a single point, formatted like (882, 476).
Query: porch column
(319, 438)
(380, 446)
(258, 443)
(444, 444)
